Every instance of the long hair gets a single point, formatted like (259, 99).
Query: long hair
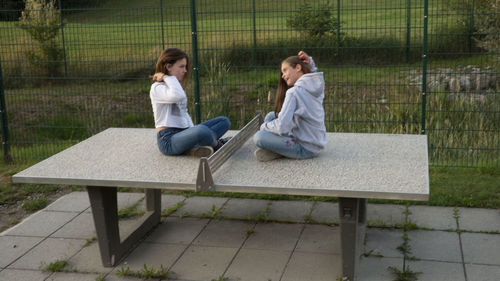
(170, 56)
(282, 86)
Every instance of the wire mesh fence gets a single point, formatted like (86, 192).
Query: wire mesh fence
(393, 66)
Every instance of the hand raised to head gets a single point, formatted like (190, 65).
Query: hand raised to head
(303, 56)
(158, 76)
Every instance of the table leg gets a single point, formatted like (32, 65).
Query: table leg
(103, 201)
(352, 213)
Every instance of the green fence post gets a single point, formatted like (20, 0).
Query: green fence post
(61, 24)
(161, 23)
(339, 45)
(408, 29)
(471, 27)
(5, 125)
(424, 66)
(194, 45)
(254, 54)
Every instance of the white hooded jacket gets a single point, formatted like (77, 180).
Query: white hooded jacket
(302, 115)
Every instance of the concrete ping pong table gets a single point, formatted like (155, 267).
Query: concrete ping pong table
(353, 167)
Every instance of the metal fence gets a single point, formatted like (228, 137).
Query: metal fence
(395, 66)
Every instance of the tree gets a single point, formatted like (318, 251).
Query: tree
(41, 20)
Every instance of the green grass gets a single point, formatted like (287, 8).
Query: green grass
(56, 266)
(35, 205)
(146, 273)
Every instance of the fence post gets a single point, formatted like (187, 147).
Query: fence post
(162, 31)
(194, 45)
(424, 66)
(408, 29)
(471, 26)
(61, 24)
(5, 125)
(339, 45)
(254, 54)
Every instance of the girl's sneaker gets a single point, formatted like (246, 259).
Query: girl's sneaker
(265, 155)
(200, 151)
(221, 142)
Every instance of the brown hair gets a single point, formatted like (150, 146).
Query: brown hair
(170, 56)
(282, 86)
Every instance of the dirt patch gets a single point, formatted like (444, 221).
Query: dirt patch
(13, 213)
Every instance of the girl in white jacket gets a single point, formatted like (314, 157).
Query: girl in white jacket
(296, 127)
(176, 132)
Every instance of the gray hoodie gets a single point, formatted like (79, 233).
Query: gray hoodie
(302, 115)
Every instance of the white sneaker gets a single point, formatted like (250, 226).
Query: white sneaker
(200, 151)
(263, 155)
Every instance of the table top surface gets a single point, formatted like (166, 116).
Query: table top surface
(352, 165)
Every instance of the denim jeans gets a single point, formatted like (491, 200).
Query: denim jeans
(176, 141)
(283, 145)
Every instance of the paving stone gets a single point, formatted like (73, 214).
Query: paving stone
(80, 227)
(22, 275)
(435, 245)
(290, 211)
(113, 276)
(153, 255)
(377, 268)
(434, 270)
(257, 265)
(47, 251)
(481, 248)
(89, 260)
(177, 230)
(477, 272)
(41, 224)
(13, 247)
(64, 276)
(318, 238)
(313, 266)
(385, 214)
(441, 218)
(224, 233)
(199, 206)
(126, 199)
(127, 226)
(203, 263)
(325, 212)
(479, 219)
(170, 201)
(383, 242)
(246, 209)
(274, 236)
(77, 201)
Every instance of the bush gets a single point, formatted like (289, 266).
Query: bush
(41, 20)
(315, 22)
(488, 25)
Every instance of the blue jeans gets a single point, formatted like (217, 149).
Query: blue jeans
(283, 145)
(176, 141)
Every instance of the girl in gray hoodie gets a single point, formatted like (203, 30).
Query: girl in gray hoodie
(296, 127)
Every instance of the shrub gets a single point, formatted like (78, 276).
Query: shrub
(314, 22)
(488, 25)
(41, 20)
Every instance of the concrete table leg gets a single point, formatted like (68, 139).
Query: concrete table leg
(352, 213)
(103, 201)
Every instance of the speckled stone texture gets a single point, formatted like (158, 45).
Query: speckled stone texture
(115, 157)
(352, 165)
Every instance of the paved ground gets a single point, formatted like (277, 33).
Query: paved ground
(208, 238)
